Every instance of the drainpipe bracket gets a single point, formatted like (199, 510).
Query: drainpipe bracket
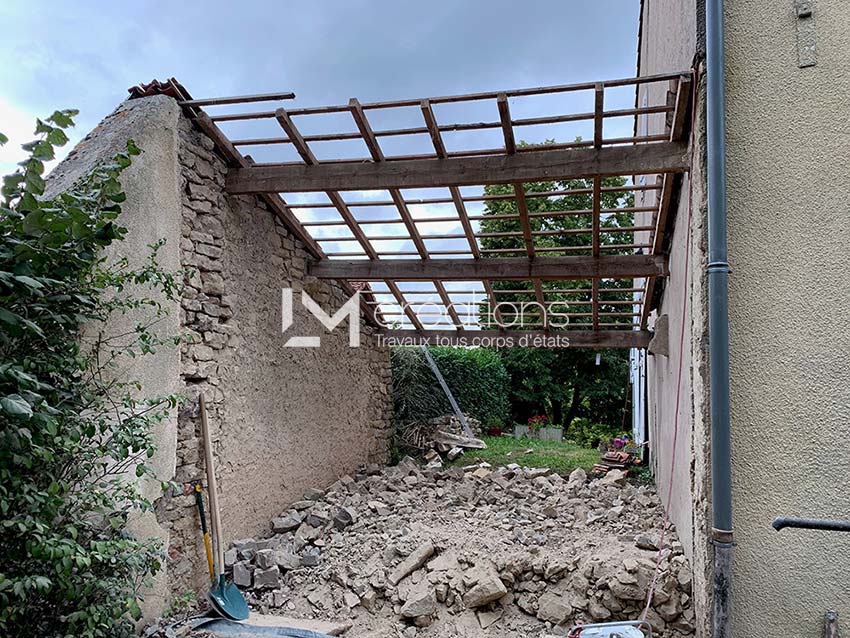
(719, 266)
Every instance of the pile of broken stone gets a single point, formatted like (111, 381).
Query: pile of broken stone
(456, 551)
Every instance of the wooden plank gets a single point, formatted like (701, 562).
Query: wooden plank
(433, 128)
(366, 130)
(238, 99)
(507, 126)
(537, 165)
(525, 224)
(577, 338)
(569, 267)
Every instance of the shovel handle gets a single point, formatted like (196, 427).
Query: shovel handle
(199, 500)
(215, 513)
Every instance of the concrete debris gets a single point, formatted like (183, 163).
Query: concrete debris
(413, 551)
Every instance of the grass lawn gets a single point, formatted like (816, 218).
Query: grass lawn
(562, 458)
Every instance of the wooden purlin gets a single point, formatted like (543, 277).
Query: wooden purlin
(535, 165)
(570, 267)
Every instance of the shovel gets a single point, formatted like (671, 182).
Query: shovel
(225, 597)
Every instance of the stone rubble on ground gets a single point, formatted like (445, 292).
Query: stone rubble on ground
(507, 551)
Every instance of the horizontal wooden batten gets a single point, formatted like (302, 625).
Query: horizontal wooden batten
(575, 338)
(661, 157)
(571, 267)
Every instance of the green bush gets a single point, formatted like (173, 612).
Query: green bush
(477, 378)
(74, 431)
(587, 434)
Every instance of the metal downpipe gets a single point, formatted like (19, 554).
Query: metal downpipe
(718, 322)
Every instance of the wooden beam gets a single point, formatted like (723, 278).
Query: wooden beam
(537, 165)
(235, 159)
(433, 128)
(568, 338)
(571, 267)
(595, 228)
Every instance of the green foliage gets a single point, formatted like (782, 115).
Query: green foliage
(566, 384)
(74, 434)
(586, 433)
(563, 383)
(475, 376)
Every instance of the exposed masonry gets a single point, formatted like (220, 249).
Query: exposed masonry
(330, 408)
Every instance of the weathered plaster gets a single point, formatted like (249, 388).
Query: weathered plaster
(149, 214)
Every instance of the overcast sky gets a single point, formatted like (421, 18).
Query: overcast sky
(85, 54)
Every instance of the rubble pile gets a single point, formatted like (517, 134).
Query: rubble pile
(509, 551)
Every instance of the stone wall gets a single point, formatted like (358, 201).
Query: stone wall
(282, 419)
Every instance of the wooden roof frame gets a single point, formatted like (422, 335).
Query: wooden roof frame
(658, 157)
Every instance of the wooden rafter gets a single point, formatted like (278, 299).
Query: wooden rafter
(336, 199)
(524, 222)
(535, 165)
(507, 124)
(399, 297)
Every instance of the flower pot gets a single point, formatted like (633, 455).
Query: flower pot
(551, 434)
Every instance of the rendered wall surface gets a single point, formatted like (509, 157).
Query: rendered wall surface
(788, 134)
(283, 419)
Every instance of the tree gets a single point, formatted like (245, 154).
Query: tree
(75, 432)
(564, 383)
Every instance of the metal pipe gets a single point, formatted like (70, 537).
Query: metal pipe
(718, 322)
(810, 523)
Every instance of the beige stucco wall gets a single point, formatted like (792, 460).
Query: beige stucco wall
(789, 241)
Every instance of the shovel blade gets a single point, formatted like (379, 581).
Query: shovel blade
(228, 601)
